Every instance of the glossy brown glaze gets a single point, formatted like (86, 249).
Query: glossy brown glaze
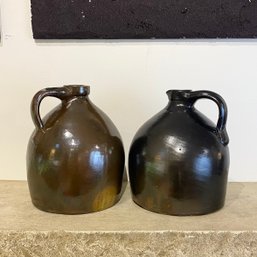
(75, 156)
(179, 159)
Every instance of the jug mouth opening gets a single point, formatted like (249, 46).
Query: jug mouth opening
(77, 90)
(177, 94)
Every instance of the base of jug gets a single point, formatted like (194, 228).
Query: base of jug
(71, 211)
(181, 213)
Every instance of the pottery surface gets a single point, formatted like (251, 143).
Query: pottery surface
(75, 156)
(179, 159)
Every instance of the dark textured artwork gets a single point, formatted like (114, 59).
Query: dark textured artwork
(143, 19)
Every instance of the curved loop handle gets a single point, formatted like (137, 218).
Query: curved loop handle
(37, 99)
(223, 111)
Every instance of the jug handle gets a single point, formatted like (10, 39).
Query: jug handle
(223, 111)
(57, 92)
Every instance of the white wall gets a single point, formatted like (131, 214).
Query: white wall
(128, 81)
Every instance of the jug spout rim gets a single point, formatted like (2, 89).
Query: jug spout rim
(77, 90)
(177, 94)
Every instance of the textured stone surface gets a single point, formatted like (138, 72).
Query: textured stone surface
(119, 244)
(126, 229)
(55, 19)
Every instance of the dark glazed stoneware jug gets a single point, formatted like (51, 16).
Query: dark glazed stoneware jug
(179, 160)
(75, 156)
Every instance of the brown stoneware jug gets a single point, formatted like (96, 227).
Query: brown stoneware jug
(179, 159)
(75, 156)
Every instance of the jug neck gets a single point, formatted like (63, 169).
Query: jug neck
(76, 91)
(178, 100)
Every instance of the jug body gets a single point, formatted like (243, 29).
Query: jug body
(179, 160)
(75, 156)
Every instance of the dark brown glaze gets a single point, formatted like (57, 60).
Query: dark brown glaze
(75, 156)
(179, 160)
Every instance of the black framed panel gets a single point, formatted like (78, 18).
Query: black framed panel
(143, 19)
